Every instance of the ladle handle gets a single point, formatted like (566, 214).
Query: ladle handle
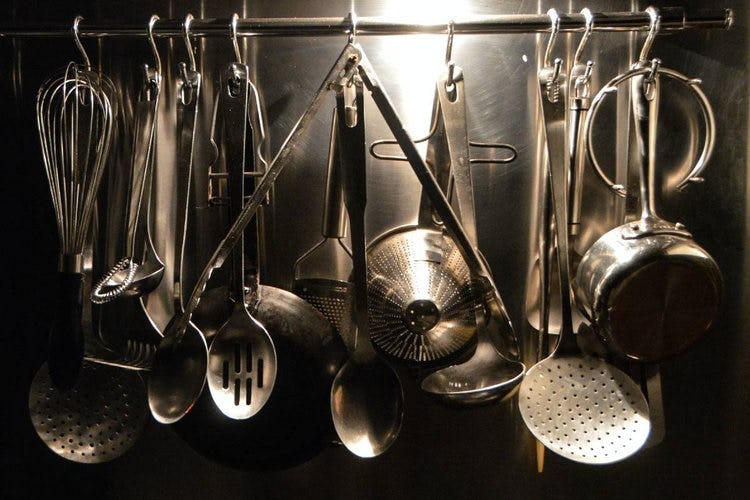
(552, 95)
(438, 160)
(350, 107)
(66, 336)
(187, 111)
(334, 211)
(645, 99)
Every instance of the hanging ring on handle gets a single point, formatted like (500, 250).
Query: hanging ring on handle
(233, 35)
(188, 44)
(653, 30)
(77, 38)
(693, 84)
(589, 17)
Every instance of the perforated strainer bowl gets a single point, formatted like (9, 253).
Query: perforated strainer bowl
(420, 296)
(584, 409)
(95, 421)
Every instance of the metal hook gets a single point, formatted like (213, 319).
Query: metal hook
(449, 55)
(653, 30)
(554, 18)
(233, 34)
(589, 17)
(352, 27)
(188, 44)
(76, 37)
(151, 24)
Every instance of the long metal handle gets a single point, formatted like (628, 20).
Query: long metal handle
(187, 112)
(334, 211)
(233, 102)
(672, 19)
(351, 129)
(552, 95)
(645, 101)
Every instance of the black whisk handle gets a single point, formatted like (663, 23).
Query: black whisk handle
(66, 336)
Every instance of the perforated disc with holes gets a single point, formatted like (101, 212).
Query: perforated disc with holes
(97, 420)
(584, 409)
(420, 296)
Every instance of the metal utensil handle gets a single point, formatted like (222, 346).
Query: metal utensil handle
(233, 107)
(334, 211)
(453, 106)
(499, 319)
(145, 127)
(66, 336)
(353, 160)
(344, 66)
(187, 112)
(694, 176)
(439, 162)
(552, 96)
(580, 102)
(645, 101)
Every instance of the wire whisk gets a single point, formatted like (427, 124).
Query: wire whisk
(75, 117)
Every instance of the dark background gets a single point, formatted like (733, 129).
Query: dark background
(441, 453)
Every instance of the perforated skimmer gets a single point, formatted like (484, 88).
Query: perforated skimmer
(95, 421)
(578, 406)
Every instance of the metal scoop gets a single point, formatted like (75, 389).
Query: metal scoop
(330, 293)
(242, 357)
(366, 397)
(578, 406)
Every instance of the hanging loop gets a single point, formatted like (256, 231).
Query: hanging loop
(653, 30)
(589, 17)
(233, 35)
(188, 44)
(151, 23)
(77, 38)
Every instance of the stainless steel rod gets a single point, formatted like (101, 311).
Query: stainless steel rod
(672, 19)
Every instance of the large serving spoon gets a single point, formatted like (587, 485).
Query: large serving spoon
(366, 396)
(578, 406)
(242, 358)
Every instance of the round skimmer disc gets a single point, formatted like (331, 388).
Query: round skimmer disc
(420, 298)
(97, 420)
(584, 409)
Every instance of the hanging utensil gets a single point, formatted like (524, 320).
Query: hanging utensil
(578, 406)
(420, 296)
(242, 352)
(129, 277)
(330, 292)
(75, 121)
(488, 375)
(179, 368)
(366, 396)
(648, 287)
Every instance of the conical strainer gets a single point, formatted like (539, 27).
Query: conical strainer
(421, 304)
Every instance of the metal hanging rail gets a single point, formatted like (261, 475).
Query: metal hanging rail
(672, 19)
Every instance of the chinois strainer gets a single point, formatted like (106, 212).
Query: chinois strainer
(329, 292)
(422, 308)
(95, 421)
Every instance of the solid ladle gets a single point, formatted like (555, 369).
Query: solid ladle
(366, 396)
(578, 406)
(242, 358)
